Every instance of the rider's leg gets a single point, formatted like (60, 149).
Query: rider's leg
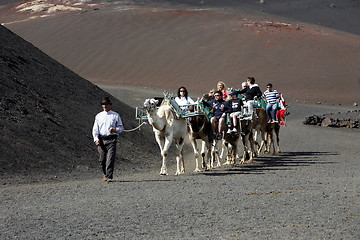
(268, 111)
(213, 124)
(221, 124)
(273, 112)
(250, 104)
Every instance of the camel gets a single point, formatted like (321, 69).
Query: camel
(260, 123)
(217, 145)
(246, 128)
(231, 145)
(167, 129)
(232, 139)
(200, 128)
(270, 130)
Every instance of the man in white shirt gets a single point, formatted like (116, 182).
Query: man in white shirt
(106, 127)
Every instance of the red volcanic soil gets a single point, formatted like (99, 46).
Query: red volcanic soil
(170, 46)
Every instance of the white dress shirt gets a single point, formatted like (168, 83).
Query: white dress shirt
(183, 101)
(104, 121)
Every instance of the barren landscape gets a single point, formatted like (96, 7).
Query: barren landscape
(59, 58)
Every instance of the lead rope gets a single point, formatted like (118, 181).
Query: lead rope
(134, 128)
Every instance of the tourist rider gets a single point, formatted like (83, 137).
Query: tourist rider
(183, 100)
(219, 110)
(251, 92)
(235, 104)
(221, 87)
(272, 97)
(107, 127)
(280, 113)
(243, 86)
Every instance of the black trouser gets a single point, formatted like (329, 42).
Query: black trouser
(107, 150)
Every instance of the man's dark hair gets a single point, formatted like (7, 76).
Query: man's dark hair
(219, 92)
(251, 80)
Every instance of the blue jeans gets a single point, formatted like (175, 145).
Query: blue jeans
(271, 111)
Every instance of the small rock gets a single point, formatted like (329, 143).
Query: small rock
(326, 122)
(355, 104)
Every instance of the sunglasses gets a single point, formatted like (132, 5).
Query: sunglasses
(217, 95)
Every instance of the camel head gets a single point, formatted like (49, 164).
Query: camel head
(150, 104)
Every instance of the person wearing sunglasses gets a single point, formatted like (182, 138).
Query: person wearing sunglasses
(183, 100)
(219, 110)
(272, 97)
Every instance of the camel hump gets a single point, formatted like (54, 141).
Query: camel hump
(165, 110)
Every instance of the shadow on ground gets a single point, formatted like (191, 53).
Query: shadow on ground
(283, 161)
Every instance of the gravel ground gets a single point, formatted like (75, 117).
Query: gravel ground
(310, 191)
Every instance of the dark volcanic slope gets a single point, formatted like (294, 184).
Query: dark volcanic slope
(46, 116)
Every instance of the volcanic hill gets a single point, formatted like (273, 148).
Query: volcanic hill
(47, 113)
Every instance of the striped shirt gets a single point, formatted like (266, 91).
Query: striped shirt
(271, 96)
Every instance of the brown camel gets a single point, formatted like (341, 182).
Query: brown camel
(200, 128)
(267, 131)
(271, 129)
(260, 123)
(247, 137)
(231, 145)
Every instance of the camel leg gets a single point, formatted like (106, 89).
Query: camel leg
(264, 142)
(161, 142)
(179, 158)
(277, 132)
(256, 143)
(196, 154)
(164, 152)
(248, 143)
(243, 138)
(182, 167)
(214, 154)
(221, 155)
(228, 154)
(206, 154)
(271, 143)
(252, 149)
(234, 153)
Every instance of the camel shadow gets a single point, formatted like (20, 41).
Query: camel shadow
(283, 161)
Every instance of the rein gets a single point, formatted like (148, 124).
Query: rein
(134, 128)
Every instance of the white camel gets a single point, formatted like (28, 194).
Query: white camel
(167, 129)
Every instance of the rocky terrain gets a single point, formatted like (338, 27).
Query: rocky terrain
(349, 119)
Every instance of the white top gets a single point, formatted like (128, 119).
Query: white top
(183, 101)
(104, 121)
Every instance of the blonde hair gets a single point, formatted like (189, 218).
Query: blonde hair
(222, 83)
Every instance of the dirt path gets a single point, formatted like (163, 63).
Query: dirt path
(310, 191)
